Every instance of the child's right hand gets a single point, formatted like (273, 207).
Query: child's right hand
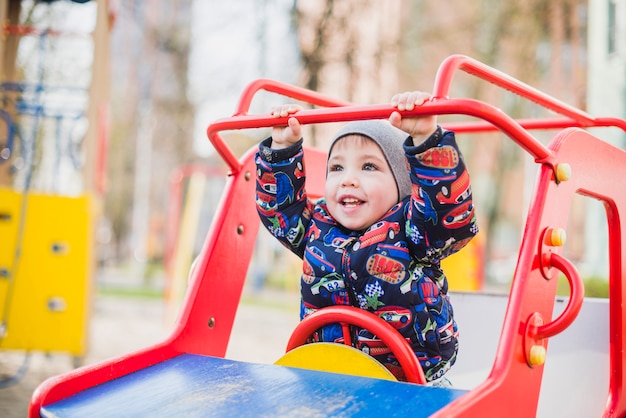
(419, 127)
(284, 136)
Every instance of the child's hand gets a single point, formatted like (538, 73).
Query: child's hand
(419, 127)
(284, 136)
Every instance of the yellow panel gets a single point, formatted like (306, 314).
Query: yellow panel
(464, 269)
(49, 301)
(335, 358)
(9, 216)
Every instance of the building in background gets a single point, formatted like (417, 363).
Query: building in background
(606, 96)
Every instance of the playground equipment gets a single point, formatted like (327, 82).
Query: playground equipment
(46, 228)
(186, 374)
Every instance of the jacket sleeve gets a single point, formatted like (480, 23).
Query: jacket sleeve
(281, 198)
(440, 216)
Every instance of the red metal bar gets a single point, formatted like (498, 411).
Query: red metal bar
(577, 294)
(341, 114)
(287, 90)
(448, 67)
(347, 338)
(535, 124)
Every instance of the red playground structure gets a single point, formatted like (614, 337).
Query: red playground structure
(188, 375)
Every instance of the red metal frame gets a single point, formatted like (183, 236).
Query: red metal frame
(207, 316)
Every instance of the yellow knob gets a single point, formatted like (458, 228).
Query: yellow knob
(537, 355)
(563, 172)
(557, 237)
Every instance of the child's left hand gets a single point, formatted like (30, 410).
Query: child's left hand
(419, 127)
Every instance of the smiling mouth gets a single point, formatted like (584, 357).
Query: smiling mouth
(351, 202)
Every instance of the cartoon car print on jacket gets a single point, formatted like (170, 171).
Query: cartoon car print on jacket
(429, 291)
(397, 316)
(377, 233)
(314, 232)
(328, 284)
(277, 223)
(322, 215)
(424, 205)
(298, 172)
(266, 181)
(385, 268)
(284, 192)
(266, 203)
(457, 191)
(317, 258)
(295, 234)
(397, 250)
(443, 157)
(278, 166)
(459, 216)
(447, 332)
(278, 182)
(334, 238)
(307, 272)
(432, 176)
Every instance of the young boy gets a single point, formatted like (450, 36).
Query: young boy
(397, 201)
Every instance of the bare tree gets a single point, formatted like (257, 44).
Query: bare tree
(150, 61)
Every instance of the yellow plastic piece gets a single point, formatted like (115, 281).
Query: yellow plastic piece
(563, 172)
(557, 237)
(335, 358)
(537, 355)
(464, 269)
(48, 304)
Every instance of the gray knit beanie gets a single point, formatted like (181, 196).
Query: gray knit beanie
(390, 140)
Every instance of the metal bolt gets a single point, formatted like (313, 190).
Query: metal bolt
(556, 237)
(537, 355)
(563, 172)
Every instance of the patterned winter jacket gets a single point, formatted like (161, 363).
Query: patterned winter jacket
(393, 267)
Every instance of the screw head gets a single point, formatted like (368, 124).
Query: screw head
(537, 355)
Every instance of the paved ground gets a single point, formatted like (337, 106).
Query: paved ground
(121, 324)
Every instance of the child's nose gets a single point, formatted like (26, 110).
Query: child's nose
(349, 179)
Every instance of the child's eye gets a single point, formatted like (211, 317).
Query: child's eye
(369, 167)
(335, 167)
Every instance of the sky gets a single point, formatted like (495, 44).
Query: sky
(233, 44)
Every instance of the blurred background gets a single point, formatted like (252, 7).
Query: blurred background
(108, 184)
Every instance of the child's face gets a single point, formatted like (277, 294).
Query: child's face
(360, 187)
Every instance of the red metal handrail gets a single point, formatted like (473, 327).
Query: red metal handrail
(287, 90)
(448, 67)
(577, 294)
(468, 107)
(536, 124)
